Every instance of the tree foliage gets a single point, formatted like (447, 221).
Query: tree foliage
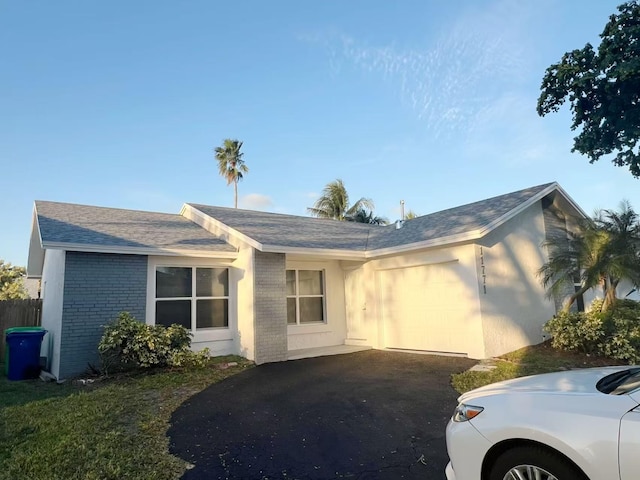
(603, 88)
(231, 165)
(367, 216)
(334, 203)
(12, 282)
(604, 251)
(410, 215)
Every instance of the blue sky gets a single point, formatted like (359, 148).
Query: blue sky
(121, 104)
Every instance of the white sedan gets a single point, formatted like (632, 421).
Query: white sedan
(573, 425)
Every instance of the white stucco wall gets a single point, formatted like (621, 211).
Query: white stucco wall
(514, 307)
(220, 341)
(333, 332)
(461, 256)
(52, 292)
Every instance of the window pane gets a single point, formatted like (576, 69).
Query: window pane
(173, 282)
(291, 282)
(291, 310)
(212, 282)
(311, 310)
(310, 282)
(174, 311)
(212, 313)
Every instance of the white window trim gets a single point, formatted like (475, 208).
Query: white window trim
(297, 296)
(202, 335)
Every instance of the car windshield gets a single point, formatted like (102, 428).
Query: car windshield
(620, 383)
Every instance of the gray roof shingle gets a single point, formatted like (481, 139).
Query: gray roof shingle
(306, 232)
(290, 230)
(454, 221)
(114, 227)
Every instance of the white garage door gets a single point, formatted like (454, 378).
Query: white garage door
(425, 308)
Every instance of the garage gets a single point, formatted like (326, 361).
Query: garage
(426, 307)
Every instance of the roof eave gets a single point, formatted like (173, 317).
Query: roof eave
(175, 252)
(329, 253)
(432, 243)
(216, 227)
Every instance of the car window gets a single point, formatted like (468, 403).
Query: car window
(620, 383)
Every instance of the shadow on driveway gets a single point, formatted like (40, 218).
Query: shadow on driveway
(366, 415)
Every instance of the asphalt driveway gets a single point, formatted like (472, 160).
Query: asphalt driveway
(366, 415)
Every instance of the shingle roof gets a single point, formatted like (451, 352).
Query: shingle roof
(66, 223)
(290, 230)
(454, 221)
(295, 231)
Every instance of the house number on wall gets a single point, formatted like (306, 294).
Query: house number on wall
(484, 276)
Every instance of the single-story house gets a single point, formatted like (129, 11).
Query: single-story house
(267, 285)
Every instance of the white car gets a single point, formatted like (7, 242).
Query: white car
(572, 425)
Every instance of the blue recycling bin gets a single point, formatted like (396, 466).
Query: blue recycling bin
(24, 353)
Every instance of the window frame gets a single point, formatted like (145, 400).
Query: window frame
(212, 334)
(193, 298)
(298, 296)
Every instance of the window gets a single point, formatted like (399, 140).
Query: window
(195, 297)
(305, 296)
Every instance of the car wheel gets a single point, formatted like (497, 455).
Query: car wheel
(532, 463)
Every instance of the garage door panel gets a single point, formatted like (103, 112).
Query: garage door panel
(424, 308)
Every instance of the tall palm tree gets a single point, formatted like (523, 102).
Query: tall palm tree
(605, 250)
(334, 203)
(231, 165)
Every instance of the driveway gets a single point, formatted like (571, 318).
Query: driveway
(366, 415)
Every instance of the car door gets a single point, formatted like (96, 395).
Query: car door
(629, 445)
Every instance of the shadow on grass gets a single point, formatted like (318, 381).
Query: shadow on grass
(25, 391)
(542, 358)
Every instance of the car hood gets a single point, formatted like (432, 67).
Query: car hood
(570, 382)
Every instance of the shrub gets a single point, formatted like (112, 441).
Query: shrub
(129, 344)
(614, 333)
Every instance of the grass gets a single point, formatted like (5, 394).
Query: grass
(113, 429)
(527, 361)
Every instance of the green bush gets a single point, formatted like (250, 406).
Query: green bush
(614, 333)
(129, 344)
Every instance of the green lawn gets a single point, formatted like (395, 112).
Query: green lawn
(113, 429)
(527, 361)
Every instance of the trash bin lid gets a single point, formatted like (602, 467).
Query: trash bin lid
(23, 329)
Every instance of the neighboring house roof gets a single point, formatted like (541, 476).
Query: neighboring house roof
(287, 233)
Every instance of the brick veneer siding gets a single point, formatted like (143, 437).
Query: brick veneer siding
(270, 307)
(96, 288)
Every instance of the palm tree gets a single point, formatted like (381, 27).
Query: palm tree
(231, 165)
(334, 203)
(366, 216)
(605, 250)
(410, 215)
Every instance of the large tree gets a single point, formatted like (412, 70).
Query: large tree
(604, 251)
(231, 165)
(334, 203)
(12, 282)
(603, 88)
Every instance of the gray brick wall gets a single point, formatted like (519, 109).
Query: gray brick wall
(270, 307)
(96, 288)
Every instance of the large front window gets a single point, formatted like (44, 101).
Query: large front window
(195, 297)
(305, 296)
